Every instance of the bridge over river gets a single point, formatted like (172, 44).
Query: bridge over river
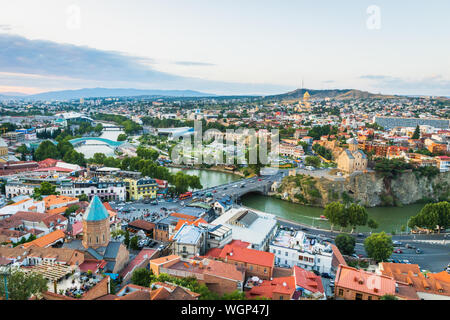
(237, 189)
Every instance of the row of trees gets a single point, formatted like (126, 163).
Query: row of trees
(21, 285)
(64, 150)
(353, 215)
(181, 181)
(378, 246)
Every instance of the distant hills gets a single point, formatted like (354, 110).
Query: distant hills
(339, 94)
(331, 93)
(105, 93)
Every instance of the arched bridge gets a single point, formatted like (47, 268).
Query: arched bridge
(237, 189)
(111, 143)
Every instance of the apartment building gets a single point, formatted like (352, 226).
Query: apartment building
(296, 249)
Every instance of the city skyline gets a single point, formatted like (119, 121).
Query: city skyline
(232, 48)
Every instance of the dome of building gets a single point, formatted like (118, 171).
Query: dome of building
(96, 211)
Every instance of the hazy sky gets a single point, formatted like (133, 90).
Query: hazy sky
(226, 47)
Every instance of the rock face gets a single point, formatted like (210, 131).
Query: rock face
(368, 189)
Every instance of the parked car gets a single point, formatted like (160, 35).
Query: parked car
(325, 275)
(305, 229)
(360, 234)
(419, 251)
(397, 243)
(408, 246)
(398, 251)
(406, 261)
(355, 256)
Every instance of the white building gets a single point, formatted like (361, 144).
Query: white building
(296, 249)
(252, 226)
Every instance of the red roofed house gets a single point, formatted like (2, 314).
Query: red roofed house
(308, 283)
(354, 284)
(140, 261)
(277, 289)
(255, 262)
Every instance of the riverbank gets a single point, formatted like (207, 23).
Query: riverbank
(214, 168)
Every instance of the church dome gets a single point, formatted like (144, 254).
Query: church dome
(96, 211)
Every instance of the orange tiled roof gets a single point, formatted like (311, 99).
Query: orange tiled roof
(410, 275)
(164, 259)
(183, 216)
(57, 210)
(252, 256)
(55, 199)
(363, 281)
(283, 285)
(46, 239)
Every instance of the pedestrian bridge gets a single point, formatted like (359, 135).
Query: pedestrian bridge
(111, 143)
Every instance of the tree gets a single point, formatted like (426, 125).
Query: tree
(372, 224)
(357, 216)
(334, 212)
(46, 150)
(379, 246)
(45, 189)
(134, 243)
(235, 295)
(83, 197)
(388, 297)
(122, 137)
(141, 277)
(416, 134)
(432, 216)
(126, 241)
(312, 161)
(345, 243)
(21, 285)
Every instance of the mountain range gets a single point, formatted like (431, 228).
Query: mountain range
(104, 93)
(339, 94)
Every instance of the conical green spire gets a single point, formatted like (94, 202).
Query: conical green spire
(96, 211)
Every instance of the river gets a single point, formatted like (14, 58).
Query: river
(388, 218)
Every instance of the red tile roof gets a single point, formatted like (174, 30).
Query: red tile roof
(308, 280)
(252, 256)
(283, 285)
(363, 281)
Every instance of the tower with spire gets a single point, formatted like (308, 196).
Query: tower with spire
(96, 229)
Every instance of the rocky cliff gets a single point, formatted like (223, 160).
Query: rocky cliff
(367, 189)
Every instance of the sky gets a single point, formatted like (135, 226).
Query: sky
(226, 47)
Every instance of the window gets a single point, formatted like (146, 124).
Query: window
(286, 253)
(358, 296)
(369, 297)
(341, 292)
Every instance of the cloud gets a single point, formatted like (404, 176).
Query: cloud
(436, 83)
(194, 64)
(51, 65)
(5, 27)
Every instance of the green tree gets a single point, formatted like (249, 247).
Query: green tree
(235, 295)
(345, 243)
(379, 246)
(388, 297)
(432, 216)
(21, 285)
(122, 137)
(312, 161)
(141, 277)
(372, 224)
(126, 241)
(46, 150)
(45, 189)
(83, 197)
(357, 216)
(416, 134)
(134, 243)
(334, 212)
